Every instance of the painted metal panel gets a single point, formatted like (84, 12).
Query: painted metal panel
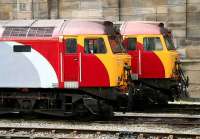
(25, 69)
(19, 23)
(133, 28)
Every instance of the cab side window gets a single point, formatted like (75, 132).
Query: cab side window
(94, 46)
(71, 45)
(152, 44)
(132, 42)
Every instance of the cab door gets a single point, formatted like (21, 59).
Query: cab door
(131, 44)
(94, 58)
(71, 68)
(151, 57)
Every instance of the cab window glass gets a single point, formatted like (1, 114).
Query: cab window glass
(71, 45)
(152, 44)
(169, 42)
(116, 44)
(94, 46)
(132, 44)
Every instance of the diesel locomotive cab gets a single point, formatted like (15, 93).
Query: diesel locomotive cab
(155, 69)
(93, 52)
(176, 72)
(182, 81)
(122, 59)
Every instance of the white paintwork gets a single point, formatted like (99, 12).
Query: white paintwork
(19, 23)
(25, 69)
(61, 67)
(75, 27)
(80, 67)
(133, 28)
(140, 64)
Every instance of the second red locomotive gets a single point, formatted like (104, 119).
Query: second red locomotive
(156, 70)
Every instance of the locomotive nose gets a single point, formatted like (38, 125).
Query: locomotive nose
(124, 67)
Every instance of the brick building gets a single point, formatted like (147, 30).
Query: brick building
(182, 16)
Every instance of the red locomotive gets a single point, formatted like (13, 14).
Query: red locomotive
(61, 66)
(68, 67)
(156, 70)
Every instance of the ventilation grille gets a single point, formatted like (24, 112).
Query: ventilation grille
(28, 32)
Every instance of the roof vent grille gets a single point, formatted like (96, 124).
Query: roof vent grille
(28, 32)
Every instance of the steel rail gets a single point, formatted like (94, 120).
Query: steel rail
(50, 133)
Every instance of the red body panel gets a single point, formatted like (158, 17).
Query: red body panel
(71, 67)
(152, 66)
(146, 64)
(94, 72)
(67, 66)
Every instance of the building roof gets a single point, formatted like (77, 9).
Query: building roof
(134, 28)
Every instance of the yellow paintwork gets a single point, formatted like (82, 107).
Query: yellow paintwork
(167, 57)
(114, 63)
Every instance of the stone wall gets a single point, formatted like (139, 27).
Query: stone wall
(40, 9)
(81, 9)
(182, 16)
(192, 70)
(15, 9)
(89, 9)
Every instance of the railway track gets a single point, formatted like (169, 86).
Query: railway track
(49, 133)
(170, 108)
(129, 125)
(184, 107)
(158, 118)
(172, 114)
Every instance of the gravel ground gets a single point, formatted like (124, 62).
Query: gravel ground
(62, 124)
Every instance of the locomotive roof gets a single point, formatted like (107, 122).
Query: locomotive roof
(134, 28)
(50, 28)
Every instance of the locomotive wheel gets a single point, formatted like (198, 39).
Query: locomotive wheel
(162, 99)
(106, 111)
(131, 93)
(96, 108)
(80, 109)
(143, 97)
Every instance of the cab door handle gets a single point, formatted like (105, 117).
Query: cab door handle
(75, 59)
